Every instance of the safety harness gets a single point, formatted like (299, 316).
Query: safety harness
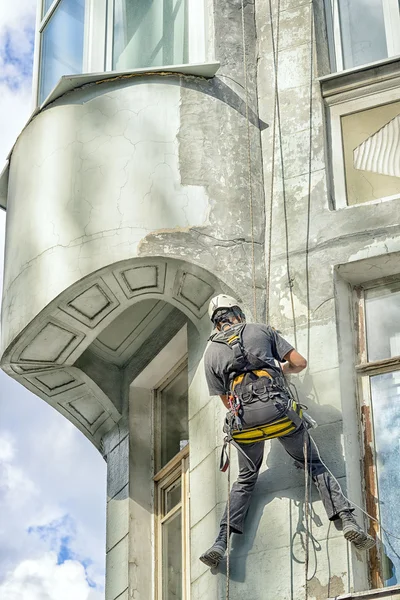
(252, 380)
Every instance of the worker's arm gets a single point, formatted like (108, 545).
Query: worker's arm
(295, 362)
(225, 400)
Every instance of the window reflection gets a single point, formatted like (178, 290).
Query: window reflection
(172, 558)
(383, 324)
(363, 32)
(150, 33)
(385, 393)
(174, 417)
(62, 44)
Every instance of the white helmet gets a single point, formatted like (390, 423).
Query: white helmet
(221, 301)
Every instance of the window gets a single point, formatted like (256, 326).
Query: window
(362, 31)
(150, 33)
(379, 384)
(79, 36)
(365, 138)
(62, 42)
(172, 486)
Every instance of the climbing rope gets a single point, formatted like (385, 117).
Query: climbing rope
(275, 49)
(228, 524)
(306, 512)
(250, 174)
(309, 177)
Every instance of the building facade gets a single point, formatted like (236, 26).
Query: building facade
(183, 148)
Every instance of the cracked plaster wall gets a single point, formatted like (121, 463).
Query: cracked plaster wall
(304, 264)
(145, 167)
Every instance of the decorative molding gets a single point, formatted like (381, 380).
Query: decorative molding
(193, 292)
(92, 305)
(380, 153)
(87, 411)
(53, 343)
(44, 357)
(135, 333)
(141, 279)
(55, 382)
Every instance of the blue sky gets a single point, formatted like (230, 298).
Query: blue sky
(52, 480)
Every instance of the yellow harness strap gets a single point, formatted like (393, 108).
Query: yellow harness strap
(259, 373)
(276, 429)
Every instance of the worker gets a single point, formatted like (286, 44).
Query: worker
(245, 365)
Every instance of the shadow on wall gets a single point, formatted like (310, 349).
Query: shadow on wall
(283, 480)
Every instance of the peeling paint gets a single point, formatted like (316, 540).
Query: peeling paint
(333, 588)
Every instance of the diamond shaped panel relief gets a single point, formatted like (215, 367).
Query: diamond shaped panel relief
(55, 382)
(92, 305)
(88, 411)
(142, 279)
(193, 292)
(52, 344)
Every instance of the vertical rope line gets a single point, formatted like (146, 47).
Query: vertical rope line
(228, 524)
(309, 177)
(275, 49)
(250, 175)
(285, 214)
(306, 517)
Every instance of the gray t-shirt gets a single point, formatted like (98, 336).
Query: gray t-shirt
(258, 339)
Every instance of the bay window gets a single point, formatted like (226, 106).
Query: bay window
(84, 36)
(62, 42)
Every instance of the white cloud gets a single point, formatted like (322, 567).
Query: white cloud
(44, 579)
(17, 23)
(15, 485)
(47, 468)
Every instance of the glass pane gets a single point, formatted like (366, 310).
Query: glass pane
(174, 417)
(172, 558)
(173, 496)
(383, 324)
(363, 32)
(150, 33)
(62, 45)
(385, 392)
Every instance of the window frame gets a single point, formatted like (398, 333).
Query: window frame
(43, 19)
(391, 14)
(177, 467)
(365, 370)
(340, 106)
(99, 37)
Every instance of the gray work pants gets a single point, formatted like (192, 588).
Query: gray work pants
(328, 488)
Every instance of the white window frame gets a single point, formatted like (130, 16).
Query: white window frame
(177, 468)
(92, 32)
(391, 14)
(365, 370)
(344, 104)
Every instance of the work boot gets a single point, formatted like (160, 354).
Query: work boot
(213, 556)
(354, 533)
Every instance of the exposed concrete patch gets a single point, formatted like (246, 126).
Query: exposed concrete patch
(333, 588)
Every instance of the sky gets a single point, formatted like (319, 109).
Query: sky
(52, 480)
